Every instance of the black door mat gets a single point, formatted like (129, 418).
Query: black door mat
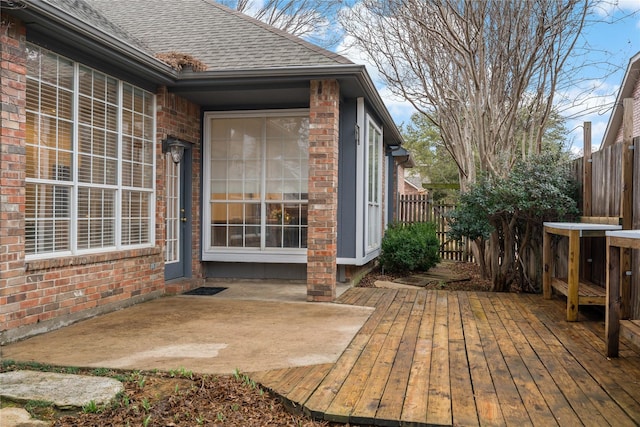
(205, 290)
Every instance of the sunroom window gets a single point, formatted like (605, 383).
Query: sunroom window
(90, 159)
(257, 181)
(374, 186)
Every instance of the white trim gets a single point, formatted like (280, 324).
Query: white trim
(76, 148)
(154, 168)
(387, 193)
(368, 246)
(172, 196)
(119, 179)
(359, 261)
(254, 256)
(360, 183)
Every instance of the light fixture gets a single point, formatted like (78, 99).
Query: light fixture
(174, 146)
(392, 148)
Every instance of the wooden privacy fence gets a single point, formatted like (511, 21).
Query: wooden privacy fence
(419, 208)
(609, 182)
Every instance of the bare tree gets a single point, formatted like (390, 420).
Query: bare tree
(303, 18)
(473, 67)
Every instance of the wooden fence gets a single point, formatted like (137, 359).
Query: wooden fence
(602, 185)
(419, 208)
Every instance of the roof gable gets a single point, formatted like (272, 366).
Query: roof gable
(626, 91)
(221, 38)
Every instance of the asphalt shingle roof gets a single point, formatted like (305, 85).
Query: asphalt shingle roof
(214, 34)
(87, 13)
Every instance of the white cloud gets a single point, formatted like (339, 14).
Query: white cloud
(399, 108)
(609, 7)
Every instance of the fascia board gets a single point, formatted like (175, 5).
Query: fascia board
(45, 18)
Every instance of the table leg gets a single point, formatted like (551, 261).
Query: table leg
(547, 266)
(573, 278)
(612, 318)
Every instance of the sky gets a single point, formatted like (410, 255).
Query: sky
(612, 39)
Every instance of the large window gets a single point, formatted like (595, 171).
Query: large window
(90, 159)
(257, 181)
(374, 186)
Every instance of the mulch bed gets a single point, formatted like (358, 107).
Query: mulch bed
(168, 399)
(469, 270)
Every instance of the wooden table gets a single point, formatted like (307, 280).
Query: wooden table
(577, 293)
(617, 240)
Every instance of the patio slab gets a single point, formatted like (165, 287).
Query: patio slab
(248, 328)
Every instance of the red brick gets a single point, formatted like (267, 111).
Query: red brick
(323, 179)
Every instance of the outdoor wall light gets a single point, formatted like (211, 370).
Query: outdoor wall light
(391, 148)
(174, 146)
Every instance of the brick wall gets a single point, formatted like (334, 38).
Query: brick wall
(323, 190)
(41, 295)
(636, 113)
(13, 286)
(180, 118)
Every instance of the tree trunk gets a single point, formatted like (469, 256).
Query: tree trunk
(502, 250)
(478, 247)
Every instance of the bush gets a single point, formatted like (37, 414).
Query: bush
(504, 216)
(410, 247)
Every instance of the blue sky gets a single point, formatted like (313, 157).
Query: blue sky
(612, 42)
(612, 37)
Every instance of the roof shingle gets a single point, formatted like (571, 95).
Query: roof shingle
(221, 38)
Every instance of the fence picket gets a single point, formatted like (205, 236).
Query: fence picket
(419, 208)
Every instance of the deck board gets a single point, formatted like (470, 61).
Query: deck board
(462, 358)
(487, 403)
(511, 405)
(533, 353)
(414, 408)
(390, 407)
(463, 405)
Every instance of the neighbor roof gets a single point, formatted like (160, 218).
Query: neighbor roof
(626, 91)
(221, 38)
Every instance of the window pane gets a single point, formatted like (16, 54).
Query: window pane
(138, 140)
(96, 218)
(237, 164)
(374, 209)
(135, 217)
(49, 130)
(47, 218)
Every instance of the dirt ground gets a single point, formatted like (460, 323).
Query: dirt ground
(463, 269)
(183, 398)
(174, 398)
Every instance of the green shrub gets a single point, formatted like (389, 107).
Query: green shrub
(410, 247)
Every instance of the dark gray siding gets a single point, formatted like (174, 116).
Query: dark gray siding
(347, 180)
(243, 270)
(391, 187)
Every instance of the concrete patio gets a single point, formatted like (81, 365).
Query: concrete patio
(249, 326)
(376, 357)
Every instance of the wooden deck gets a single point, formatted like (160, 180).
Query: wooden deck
(468, 359)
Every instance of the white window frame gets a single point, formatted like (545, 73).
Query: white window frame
(232, 254)
(373, 227)
(173, 229)
(119, 187)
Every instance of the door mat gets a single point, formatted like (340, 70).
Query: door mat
(205, 290)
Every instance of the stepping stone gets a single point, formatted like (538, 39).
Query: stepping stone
(63, 390)
(18, 417)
